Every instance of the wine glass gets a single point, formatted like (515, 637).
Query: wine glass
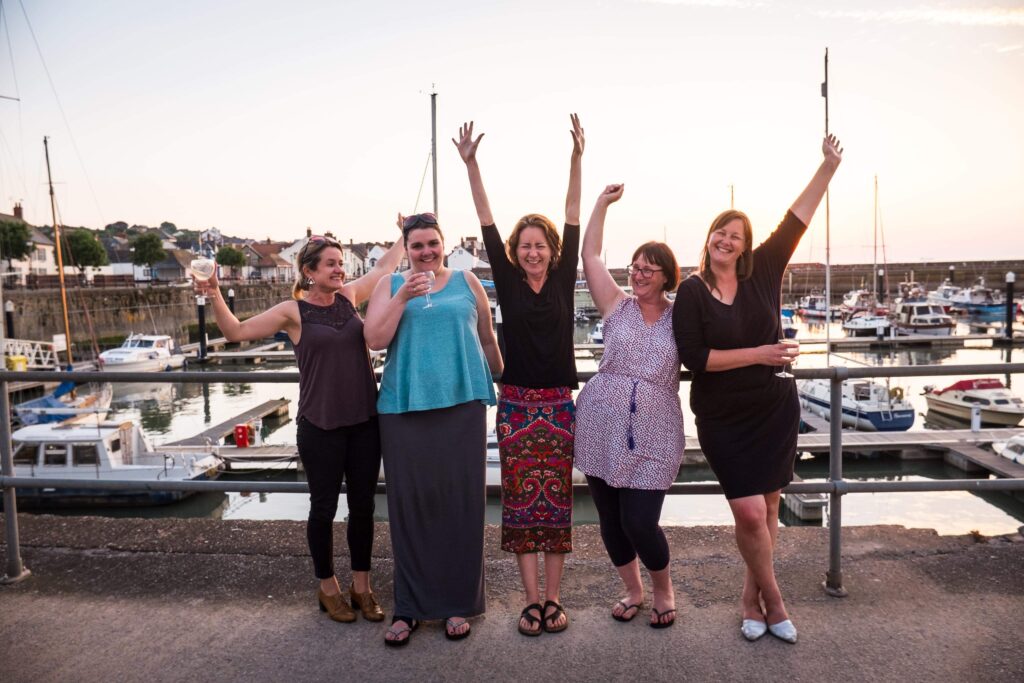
(430, 282)
(202, 268)
(785, 371)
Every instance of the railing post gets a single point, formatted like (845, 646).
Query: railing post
(201, 307)
(15, 570)
(834, 576)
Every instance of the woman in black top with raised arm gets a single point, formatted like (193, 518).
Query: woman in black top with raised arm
(534, 276)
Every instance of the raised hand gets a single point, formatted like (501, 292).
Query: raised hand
(831, 149)
(205, 287)
(400, 222)
(466, 144)
(611, 194)
(578, 140)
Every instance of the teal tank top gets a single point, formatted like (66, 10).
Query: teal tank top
(435, 359)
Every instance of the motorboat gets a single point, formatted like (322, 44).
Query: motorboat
(943, 294)
(814, 306)
(867, 406)
(978, 300)
(864, 323)
(788, 327)
(921, 317)
(143, 353)
(999, 406)
(861, 300)
(597, 335)
(68, 404)
(1011, 449)
(105, 451)
(911, 291)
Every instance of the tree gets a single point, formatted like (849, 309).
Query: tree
(147, 249)
(231, 257)
(118, 226)
(169, 227)
(85, 249)
(14, 241)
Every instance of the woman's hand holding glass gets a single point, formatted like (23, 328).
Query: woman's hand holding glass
(790, 349)
(418, 284)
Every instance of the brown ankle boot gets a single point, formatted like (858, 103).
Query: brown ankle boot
(336, 606)
(367, 604)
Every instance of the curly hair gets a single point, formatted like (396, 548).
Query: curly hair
(534, 220)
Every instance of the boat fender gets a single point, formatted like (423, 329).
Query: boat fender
(896, 393)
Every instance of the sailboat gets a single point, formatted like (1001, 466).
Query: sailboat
(863, 316)
(866, 405)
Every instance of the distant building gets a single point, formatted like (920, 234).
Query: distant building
(43, 258)
(268, 265)
(468, 254)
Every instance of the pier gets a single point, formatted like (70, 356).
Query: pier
(234, 600)
(275, 408)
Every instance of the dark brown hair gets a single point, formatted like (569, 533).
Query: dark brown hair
(744, 264)
(535, 220)
(309, 257)
(661, 255)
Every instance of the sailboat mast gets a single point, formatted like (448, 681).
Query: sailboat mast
(60, 256)
(433, 142)
(874, 257)
(828, 229)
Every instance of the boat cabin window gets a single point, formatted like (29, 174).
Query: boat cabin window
(861, 392)
(1015, 448)
(85, 454)
(1002, 402)
(975, 399)
(26, 454)
(55, 454)
(140, 343)
(115, 445)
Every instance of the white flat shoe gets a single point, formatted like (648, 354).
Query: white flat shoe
(784, 630)
(752, 629)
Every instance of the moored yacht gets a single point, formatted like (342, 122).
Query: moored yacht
(998, 405)
(143, 353)
(868, 406)
(921, 317)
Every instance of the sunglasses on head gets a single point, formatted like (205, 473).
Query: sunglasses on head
(416, 219)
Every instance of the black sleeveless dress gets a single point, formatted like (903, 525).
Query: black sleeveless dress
(747, 418)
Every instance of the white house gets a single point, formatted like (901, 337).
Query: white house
(467, 255)
(43, 258)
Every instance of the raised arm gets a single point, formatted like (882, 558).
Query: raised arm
(808, 201)
(572, 196)
(283, 316)
(360, 289)
(385, 311)
(467, 150)
(605, 292)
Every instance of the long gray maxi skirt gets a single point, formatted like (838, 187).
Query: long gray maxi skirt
(435, 465)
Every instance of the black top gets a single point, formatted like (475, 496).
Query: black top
(537, 326)
(747, 418)
(336, 384)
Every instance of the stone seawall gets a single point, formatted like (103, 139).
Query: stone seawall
(110, 314)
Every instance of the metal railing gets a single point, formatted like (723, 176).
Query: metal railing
(836, 487)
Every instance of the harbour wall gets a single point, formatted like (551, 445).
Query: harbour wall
(110, 314)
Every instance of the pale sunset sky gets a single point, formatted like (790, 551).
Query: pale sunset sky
(263, 118)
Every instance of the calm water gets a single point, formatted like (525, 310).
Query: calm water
(170, 412)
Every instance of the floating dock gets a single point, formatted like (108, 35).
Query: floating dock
(275, 408)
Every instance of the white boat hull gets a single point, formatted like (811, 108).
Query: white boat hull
(1004, 418)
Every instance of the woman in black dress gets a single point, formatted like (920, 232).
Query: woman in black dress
(726, 321)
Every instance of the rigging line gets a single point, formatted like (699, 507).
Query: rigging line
(60, 108)
(416, 206)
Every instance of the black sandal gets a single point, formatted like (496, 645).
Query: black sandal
(450, 626)
(658, 623)
(531, 620)
(553, 617)
(413, 624)
(625, 610)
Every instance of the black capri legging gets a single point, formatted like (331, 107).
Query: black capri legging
(330, 456)
(629, 524)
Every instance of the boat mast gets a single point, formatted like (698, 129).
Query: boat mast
(828, 225)
(874, 257)
(60, 257)
(433, 140)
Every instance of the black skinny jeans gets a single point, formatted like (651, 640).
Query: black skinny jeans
(629, 524)
(330, 456)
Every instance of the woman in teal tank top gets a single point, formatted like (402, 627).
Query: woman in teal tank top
(442, 352)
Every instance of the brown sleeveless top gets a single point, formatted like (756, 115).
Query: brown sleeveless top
(336, 383)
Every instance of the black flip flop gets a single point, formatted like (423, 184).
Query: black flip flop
(622, 616)
(554, 617)
(413, 625)
(531, 620)
(658, 623)
(455, 636)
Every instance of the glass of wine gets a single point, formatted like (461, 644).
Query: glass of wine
(430, 281)
(202, 268)
(785, 371)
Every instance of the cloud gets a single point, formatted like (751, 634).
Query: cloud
(722, 4)
(997, 17)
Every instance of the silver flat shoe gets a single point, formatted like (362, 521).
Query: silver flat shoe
(784, 630)
(752, 629)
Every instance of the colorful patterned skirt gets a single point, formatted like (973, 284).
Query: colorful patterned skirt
(535, 441)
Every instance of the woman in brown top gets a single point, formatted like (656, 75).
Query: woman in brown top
(337, 418)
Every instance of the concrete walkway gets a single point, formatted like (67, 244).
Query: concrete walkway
(197, 600)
